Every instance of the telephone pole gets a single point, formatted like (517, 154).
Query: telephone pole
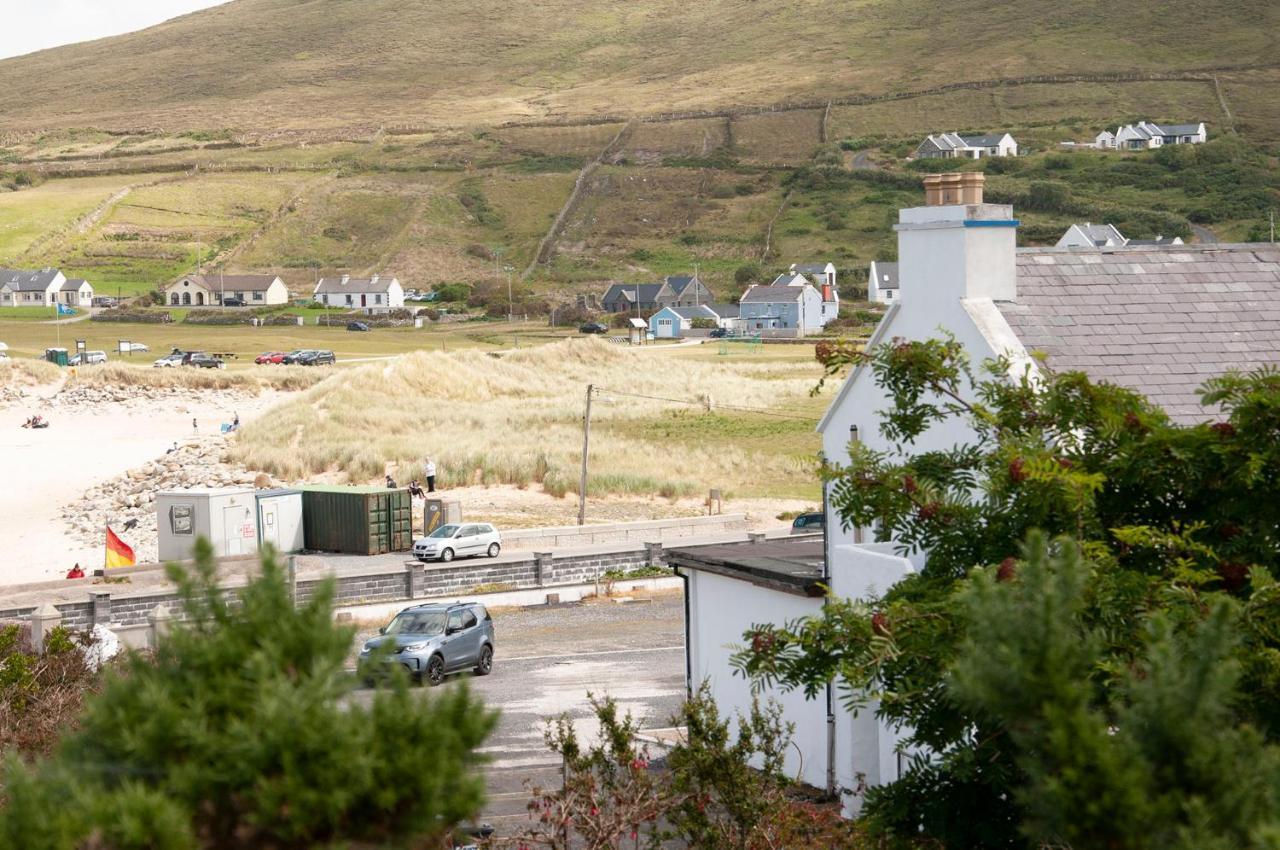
(586, 447)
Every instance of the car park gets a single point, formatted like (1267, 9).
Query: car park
(810, 523)
(459, 540)
(88, 358)
(594, 328)
(205, 361)
(430, 641)
(316, 358)
(269, 357)
(357, 326)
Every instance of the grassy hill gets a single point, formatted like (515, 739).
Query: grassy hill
(442, 141)
(267, 65)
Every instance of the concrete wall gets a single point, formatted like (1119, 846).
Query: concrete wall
(658, 530)
(720, 610)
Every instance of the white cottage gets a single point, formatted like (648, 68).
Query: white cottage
(371, 294)
(230, 290)
(882, 282)
(30, 288)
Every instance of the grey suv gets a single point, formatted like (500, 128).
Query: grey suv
(430, 641)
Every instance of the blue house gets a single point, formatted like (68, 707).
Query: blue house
(767, 308)
(672, 322)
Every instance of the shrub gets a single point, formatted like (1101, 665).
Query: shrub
(1049, 196)
(452, 292)
(749, 273)
(119, 314)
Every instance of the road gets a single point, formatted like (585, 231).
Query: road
(1204, 234)
(547, 661)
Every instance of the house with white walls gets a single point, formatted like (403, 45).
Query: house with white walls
(882, 282)
(953, 146)
(819, 273)
(783, 310)
(1105, 141)
(31, 287)
(371, 294)
(231, 290)
(1090, 235)
(1156, 319)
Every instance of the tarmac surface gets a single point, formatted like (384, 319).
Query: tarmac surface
(547, 661)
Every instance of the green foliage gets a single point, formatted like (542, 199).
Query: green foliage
(1177, 524)
(1049, 196)
(452, 292)
(745, 274)
(240, 730)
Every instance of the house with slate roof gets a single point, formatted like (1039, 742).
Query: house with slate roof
(375, 294)
(1157, 319)
(953, 145)
(819, 273)
(248, 290)
(687, 291)
(33, 288)
(632, 297)
(782, 308)
(882, 282)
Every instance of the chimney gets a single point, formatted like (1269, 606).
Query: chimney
(956, 246)
(345, 278)
(826, 293)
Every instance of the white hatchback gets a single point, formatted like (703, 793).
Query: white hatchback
(458, 540)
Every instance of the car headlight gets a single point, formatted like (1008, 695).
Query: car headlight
(414, 647)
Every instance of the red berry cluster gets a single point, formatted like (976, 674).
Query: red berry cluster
(1008, 570)
(1017, 472)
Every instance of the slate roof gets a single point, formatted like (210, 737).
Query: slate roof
(26, 280)
(74, 284)
(811, 268)
(888, 273)
(1178, 129)
(1157, 320)
(725, 311)
(990, 140)
(237, 282)
(354, 284)
(771, 294)
(647, 292)
(679, 283)
(700, 311)
(788, 279)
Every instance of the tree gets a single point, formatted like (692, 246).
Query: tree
(1171, 518)
(240, 731)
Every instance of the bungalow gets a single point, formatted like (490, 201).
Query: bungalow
(1105, 141)
(882, 282)
(671, 322)
(27, 288)
(997, 301)
(773, 308)
(76, 292)
(1140, 136)
(630, 297)
(953, 145)
(247, 290)
(372, 294)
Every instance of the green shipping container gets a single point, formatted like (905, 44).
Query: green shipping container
(357, 520)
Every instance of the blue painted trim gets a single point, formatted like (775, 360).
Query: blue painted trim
(981, 222)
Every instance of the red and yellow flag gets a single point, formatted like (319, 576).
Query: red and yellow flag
(119, 553)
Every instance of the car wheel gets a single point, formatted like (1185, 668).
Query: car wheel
(434, 673)
(485, 665)
(494, 549)
(446, 555)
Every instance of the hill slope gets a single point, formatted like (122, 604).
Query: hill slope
(261, 65)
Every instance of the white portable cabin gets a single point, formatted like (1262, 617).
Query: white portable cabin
(226, 517)
(280, 519)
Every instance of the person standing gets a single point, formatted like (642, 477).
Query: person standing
(429, 469)
(195, 429)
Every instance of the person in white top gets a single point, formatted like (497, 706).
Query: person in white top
(429, 469)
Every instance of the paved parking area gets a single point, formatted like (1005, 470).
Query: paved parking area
(547, 661)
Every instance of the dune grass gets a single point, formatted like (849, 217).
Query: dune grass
(18, 373)
(517, 419)
(254, 380)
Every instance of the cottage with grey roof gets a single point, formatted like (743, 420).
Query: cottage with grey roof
(236, 290)
(636, 297)
(375, 294)
(953, 146)
(37, 288)
(882, 282)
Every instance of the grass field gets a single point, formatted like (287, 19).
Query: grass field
(32, 215)
(516, 419)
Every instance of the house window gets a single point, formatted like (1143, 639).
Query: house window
(377, 298)
(664, 323)
(348, 300)
(257, 296)
(888, 295)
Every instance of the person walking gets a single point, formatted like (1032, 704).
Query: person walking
(429, 469)
(195, 429)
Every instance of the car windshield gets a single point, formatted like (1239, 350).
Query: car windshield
(418, 623)
(445, 531)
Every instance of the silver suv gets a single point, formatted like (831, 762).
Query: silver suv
(430, 641)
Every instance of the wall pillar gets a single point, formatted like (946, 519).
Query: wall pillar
(100, 607)
(43, 620)
(160, 621)
(653, 554)
(414, 574)
(542, 567)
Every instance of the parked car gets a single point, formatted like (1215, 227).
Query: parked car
(316, 358)
(292, 357)
(177, 358)
(233, 301)
(205, 361)
(267, 357)
(593, 328)
(808, 523)
(430, 641)
(717, 333)
(459, 540)
(134, 348)
(103, 301)
(357, 326)
(88, 358)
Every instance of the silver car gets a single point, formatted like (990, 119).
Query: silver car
(430, 641)
(458, 540)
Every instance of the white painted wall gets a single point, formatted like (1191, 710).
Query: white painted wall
(721, 609)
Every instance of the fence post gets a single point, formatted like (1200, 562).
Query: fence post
(100, 607)
(542, 565)
(413, 578)
(160, 620)
(43, 620)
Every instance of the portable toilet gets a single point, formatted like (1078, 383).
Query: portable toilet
(57, 356)
(280, 519)
(226, 517)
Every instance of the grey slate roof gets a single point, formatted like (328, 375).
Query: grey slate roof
(1157, 320)
(679, 283)
(990, 140)
(725, 311)
(643, 292)
(811, 268)
(789, 564)
(246, 282)
(771, 294)
(27, 280)
(888, 273)
(1179, 129)
(701, 311)
(73, 284)
(354, 284)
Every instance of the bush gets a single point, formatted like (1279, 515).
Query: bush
(702, 323)
(749, 273)
(452, 292)
(1049, 196)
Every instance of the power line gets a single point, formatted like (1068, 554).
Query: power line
(764, 411)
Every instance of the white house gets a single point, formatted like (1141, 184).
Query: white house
(241, 290)
(1157, 319)
(819, 273)
(76, 292)
(372, 294)
(882, 282)
(30, 288)
(1146, 134)
(1089, 235)
(953, 145)
(1104, 141)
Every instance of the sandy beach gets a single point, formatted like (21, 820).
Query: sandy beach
(45, 469)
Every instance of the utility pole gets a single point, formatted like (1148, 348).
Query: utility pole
(1272, 216)
(586, 447)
